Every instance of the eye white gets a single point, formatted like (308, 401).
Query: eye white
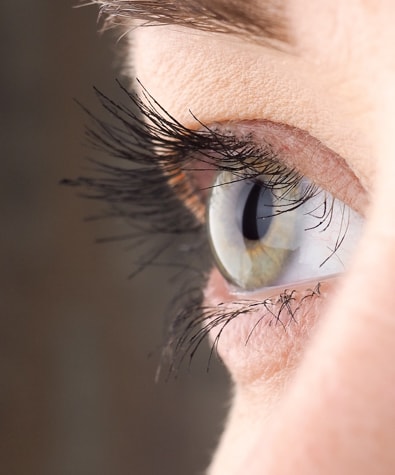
(296, 242)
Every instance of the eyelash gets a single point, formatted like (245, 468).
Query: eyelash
(152, 150)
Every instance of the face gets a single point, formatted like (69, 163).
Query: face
(311, 96)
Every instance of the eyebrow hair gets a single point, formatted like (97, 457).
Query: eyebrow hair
(240, 18)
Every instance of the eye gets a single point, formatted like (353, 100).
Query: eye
(273, 231)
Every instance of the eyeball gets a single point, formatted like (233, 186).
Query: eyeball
(265, 235)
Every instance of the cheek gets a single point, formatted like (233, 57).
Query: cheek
(262, 342)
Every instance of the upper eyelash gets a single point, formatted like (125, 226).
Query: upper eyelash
(163, 141)
(152, 148)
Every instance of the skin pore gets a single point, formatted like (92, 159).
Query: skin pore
(329, 408)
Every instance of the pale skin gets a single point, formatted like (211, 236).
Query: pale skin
(327, 405)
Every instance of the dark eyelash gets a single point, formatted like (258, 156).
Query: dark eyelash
(150, 149)
(195, 323)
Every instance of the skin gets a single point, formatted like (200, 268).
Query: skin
(326, 402)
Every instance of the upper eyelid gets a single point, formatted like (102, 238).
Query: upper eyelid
(155, 137)
(298, 151)
(260, 134)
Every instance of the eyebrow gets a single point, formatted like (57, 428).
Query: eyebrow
(266, 23)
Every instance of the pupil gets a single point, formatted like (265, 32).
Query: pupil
(254, 224)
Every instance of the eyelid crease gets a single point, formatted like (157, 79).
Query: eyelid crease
(252, 146)
(297, 150)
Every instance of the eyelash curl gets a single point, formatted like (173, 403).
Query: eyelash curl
(144, 181)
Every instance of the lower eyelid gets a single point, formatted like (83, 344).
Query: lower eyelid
(268, 340)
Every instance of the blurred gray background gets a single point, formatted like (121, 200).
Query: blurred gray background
(77, 390)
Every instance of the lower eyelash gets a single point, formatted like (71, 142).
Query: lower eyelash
(193, 324)
(145, 187)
